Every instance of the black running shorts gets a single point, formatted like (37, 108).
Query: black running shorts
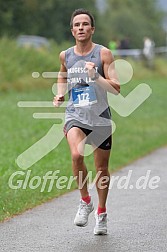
(100, 136)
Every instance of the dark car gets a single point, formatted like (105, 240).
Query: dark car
(37, 42)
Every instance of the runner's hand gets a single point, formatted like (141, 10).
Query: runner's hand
(90, 66)
(58, 100)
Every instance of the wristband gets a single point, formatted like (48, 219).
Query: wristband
(96, 76)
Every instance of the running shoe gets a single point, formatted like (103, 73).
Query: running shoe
(81, 218)
(101, 224)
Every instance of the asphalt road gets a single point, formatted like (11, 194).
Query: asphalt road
(137, 217)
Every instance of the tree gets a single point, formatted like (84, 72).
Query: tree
(49, 18)
(133, 19)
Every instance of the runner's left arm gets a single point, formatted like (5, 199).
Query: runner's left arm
(110, 80)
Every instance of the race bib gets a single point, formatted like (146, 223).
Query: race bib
(83, 96)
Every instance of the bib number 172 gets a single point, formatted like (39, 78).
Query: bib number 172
(83, 97)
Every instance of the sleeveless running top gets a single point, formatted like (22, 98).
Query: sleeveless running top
(87, 100)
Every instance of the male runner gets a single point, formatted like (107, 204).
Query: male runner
(90, 74)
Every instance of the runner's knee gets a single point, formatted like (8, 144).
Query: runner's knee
(77, 158)
(102, 169)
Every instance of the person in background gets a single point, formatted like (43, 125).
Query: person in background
(148, 51)
(113, 45)
(124, 43)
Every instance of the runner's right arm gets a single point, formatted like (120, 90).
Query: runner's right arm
(61, 82)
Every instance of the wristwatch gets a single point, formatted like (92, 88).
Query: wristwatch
(96, 76)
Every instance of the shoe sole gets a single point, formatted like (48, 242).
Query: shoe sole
(80, 225)
(100, 232)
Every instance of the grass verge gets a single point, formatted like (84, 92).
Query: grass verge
(136, 135)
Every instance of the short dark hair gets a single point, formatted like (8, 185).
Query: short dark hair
(82, 11)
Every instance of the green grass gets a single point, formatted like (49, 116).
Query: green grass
(136, 135)
(18, 63)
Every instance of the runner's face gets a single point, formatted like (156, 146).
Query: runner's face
(82, 29)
